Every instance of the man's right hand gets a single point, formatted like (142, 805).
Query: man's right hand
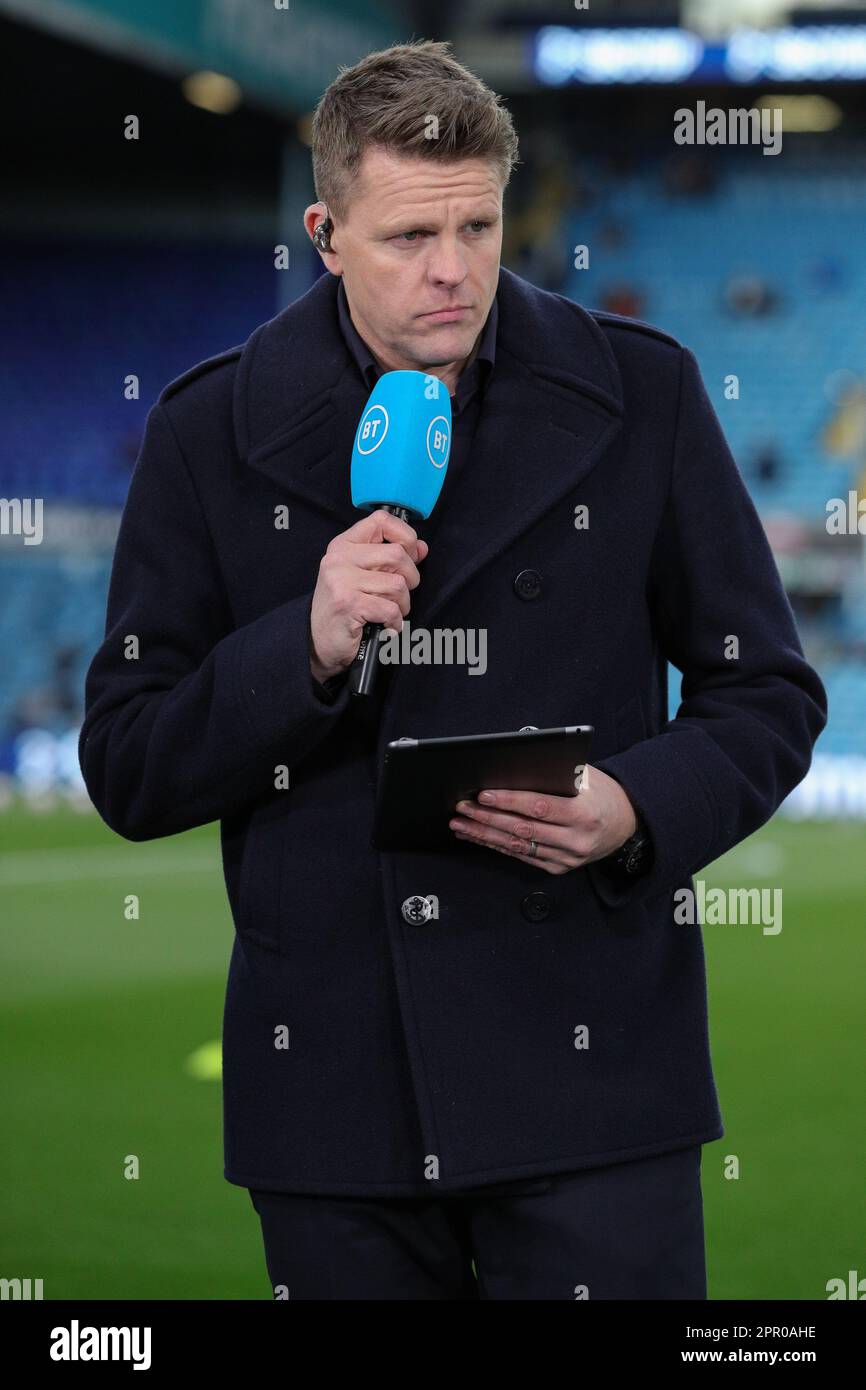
(365, 576)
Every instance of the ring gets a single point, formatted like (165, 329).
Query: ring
(532, 846)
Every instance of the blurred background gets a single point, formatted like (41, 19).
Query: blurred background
(124, 261)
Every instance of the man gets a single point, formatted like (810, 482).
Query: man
(481, 1071)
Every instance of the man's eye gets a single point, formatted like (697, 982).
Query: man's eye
(477, 222)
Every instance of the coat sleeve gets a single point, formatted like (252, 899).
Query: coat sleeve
(186, 715)
(749, 715)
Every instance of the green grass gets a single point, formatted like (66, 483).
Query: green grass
(787, 1030)
(101, 1014)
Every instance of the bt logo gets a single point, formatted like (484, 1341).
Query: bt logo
(372, 429)
(438, 441)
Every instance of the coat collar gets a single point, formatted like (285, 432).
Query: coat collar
(552, 405)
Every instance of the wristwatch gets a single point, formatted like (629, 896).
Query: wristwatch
(634, 857)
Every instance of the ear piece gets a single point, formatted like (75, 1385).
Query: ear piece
(322, 234)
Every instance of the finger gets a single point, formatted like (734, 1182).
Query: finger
(538, 806)
(391, 586)
(384, 526)
(548, 866)
(384, 557)
(376, 608)
(543, 832)
(516, 846)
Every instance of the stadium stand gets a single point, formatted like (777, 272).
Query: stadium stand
(727, 268)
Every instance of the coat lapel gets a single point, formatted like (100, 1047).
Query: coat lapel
(551, 407)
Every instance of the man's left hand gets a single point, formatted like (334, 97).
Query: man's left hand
(569, 831)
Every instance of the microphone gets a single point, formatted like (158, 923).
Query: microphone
(399, 460)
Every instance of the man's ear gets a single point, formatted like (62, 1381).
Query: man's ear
(322, 233)
(320, 228)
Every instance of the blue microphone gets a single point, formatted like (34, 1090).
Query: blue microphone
(399, 460)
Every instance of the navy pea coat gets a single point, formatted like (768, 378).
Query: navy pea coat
(368, 1054)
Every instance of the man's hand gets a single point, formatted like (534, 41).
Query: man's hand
(365, 576)
(569, 830)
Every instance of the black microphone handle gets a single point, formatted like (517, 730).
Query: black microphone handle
(362, 672)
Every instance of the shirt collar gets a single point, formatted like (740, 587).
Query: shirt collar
(476, 374)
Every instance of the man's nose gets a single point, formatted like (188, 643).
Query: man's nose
(447, 264)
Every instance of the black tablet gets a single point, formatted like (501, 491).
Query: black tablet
(423, 778)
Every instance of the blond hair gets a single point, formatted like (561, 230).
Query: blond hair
(387, 100)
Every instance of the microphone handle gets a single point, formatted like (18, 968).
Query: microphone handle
(362, 672)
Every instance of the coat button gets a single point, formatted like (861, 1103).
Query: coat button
(536, 906)
(417, 910)
(528, 584)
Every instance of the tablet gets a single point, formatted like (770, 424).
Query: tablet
(423, 778)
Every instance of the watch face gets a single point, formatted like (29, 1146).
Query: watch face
(633, 863)
(632, 856)
(639, 856)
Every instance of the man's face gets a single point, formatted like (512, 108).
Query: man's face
(420, 236)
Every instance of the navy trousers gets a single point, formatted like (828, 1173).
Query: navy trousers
(627, 1230)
